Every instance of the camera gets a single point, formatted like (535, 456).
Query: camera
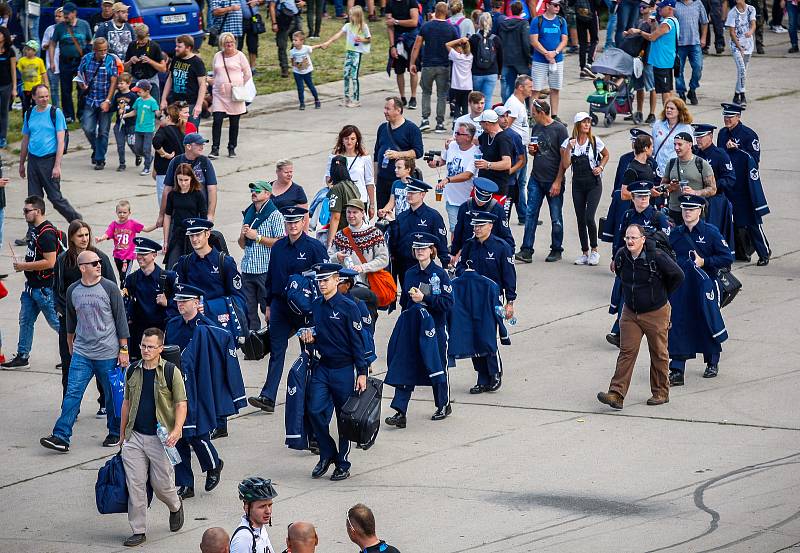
(661, 188)
(430, 154)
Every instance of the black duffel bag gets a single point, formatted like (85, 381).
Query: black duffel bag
(360, 418)
(255, 345)
(729, 287)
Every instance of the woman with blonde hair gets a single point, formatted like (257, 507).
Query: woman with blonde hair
(675, 118)
(358, 41)
(588, 156)
(459, 52)
(231, 69)
(484, 75)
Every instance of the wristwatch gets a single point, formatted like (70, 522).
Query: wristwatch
(123, 349)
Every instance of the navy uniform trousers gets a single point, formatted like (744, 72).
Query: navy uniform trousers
(206, 455)
(282, 325)
(488, 367)
(330, 387)
(441, 388)
(678, 365)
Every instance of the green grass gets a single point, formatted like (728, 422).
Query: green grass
(328, 64)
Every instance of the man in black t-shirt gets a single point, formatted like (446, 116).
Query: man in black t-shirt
(497, 149)
(106, 13)
(37, 296)
(402, 22)
(193, 144)
(186, 79)
(361, 530)
(144, 60)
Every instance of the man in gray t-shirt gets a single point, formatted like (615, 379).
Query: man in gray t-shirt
(687, 174)
(97, 335)
(545, 181)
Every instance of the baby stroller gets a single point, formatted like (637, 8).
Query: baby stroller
(613, 93)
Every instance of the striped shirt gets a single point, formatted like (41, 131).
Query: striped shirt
(231, 22)
(97, 76)
(256, 256)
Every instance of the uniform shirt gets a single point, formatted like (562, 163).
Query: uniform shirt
(463, 230)
(438, 304)
(422, 219)
(651, 219)
(494, 259)
(143, 307)
(339, 338)
(722, 165)
(744, 137)
(289, 258)
(206, 274)
(707, 241)
(180, 331)
(242, 541)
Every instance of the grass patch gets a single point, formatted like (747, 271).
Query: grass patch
(328, 64)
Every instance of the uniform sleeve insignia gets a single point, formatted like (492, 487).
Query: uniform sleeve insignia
(442, 232)
(754, 174)
(430, 333)
(237, 282)
(756, 145)
(357, 325)
(447, 288)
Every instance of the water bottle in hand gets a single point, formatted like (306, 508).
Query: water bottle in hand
(348, 262)
(501, 312)
(172, 452)
(436, 288)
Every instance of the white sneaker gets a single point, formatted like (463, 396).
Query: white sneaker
(778, 29)
(582, 260)
(594, 258)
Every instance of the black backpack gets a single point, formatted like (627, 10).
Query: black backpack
(53, 111)
(486, 56)
(660, 241)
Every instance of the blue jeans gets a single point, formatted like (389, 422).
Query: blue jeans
(55, 88)
(627, 16)
(96, 125)
(33, 301)
(81, 370)
(536, 195)
(306, 79)
(793, 12)
(519, 197)
(695, 55)
(485, 84)
(611, 26)
(507, 82)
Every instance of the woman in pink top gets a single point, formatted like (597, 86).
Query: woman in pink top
(231, 68)
(123, 231)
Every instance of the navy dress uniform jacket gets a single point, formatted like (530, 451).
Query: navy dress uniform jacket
(214, 385)
(339, 336)
(747, 194)
(413, 356)
(298, 427)
(721, 164)
(179, 332)
(411, 221)
(474, 322)
(693, 303)
(494, 259)
(616, 210)
(622, 166)
(463, 230)
(142, 290)
(439, 305)
(287, 258)
(366, 328)
(745, 137)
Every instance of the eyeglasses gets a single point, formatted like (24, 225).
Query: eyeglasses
(148, 347)
(462, 134)
(633, 238)
(27, 210)
(95, 263)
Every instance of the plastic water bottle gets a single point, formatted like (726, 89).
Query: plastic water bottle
(436, 285)
(348, 262)
(385, 161)
(501, 312)
(172, 452)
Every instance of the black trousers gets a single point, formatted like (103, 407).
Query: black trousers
(587, 40)
(255, 294)
(460, 102)
(216, 130)
(314, 9)
(41, 182)
(586, 202)
(383, 191)
(287, 25)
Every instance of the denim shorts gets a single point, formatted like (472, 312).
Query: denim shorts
(646, 82)
(452, 215)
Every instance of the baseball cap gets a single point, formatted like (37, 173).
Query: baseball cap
(666, 3)
(142, 84)
(260, 186)
(489, 116)
(580, 116)
(119, 7)
(501, 109)
(33, 45)
(69, 7)
(685, 136)
(194, 138)
(356, 203)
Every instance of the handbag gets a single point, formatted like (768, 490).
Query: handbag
(215, 30)
(240, 93)
(380, 282)
(729, 286)
(258, 24)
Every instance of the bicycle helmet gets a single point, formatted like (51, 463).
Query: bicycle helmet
(256, 488)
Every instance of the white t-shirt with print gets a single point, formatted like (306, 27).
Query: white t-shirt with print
(362, 47)
(740, 21)
(301, 60)
(520, 113)
(586, 149)
(461, 76)
(458, 161)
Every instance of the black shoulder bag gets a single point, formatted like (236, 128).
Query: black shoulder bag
(729, 286)
(215, 30)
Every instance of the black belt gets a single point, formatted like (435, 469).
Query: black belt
(48, 156)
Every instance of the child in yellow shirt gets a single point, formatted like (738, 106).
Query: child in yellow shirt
(33, 72)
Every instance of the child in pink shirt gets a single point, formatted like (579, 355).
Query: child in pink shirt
(123, 231)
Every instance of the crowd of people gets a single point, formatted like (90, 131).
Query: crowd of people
(324, 268)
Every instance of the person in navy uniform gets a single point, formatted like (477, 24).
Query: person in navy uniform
(481, 201)
(697, 245)
(146, 303)
(342, 368)
(652, 220)
(419, 217)
(736, 135)
(425, 283)
(494, 259)
(293, 254)
(179, 332)
(210, 270)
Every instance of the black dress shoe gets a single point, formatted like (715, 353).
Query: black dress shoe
(497, 381)
(442, 413)
(176, 520)
(478, 389)
(134, 540)
(762, 261)
(340, 474)
(398, 420)
(263, 403)
(186, 492)
(712, 369)
(612, 339)
(313, 446)
(675, 378)
(321, 468)
(218, 433)
(212, 477)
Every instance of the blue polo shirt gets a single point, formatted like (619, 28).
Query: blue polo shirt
(662, 51)
(550, 32)
(38, 127)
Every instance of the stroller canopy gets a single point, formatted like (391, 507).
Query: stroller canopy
(615, 62)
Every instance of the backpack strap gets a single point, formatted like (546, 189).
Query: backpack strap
(252, 534)
(169, 372)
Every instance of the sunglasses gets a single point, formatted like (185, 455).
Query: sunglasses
(95, 263)
(462, 134)
(27, 210)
